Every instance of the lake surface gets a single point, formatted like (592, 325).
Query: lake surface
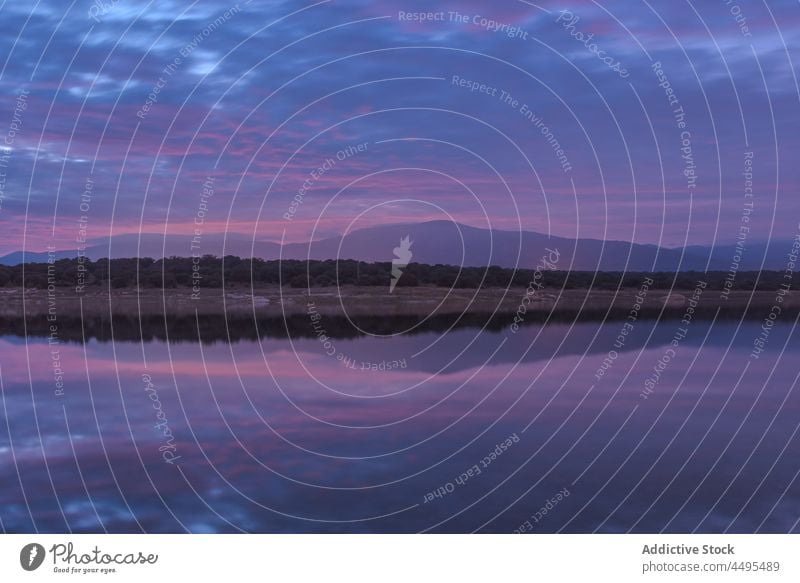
(535, 431)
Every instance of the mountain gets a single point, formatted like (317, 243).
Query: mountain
(773, 254)
(455, 244)
(18, 257)
(152, 245)
(445, 243)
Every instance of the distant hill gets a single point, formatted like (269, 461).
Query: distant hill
(454, 244)
(443, 242)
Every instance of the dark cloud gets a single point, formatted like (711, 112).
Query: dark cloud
(260, 94)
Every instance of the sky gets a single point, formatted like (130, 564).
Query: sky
(664, 122)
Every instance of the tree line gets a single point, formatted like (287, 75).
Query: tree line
(210, 272)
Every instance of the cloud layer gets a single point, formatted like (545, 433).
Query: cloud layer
(513, 115)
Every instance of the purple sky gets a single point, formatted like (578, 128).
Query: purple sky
(266, 94)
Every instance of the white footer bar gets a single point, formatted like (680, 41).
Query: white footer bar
(401, 558)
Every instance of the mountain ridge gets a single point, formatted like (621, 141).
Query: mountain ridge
(441, 242)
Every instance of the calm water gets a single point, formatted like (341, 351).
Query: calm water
(282, 436)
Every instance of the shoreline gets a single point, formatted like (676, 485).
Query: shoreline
(363, 301)
(286, 312)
